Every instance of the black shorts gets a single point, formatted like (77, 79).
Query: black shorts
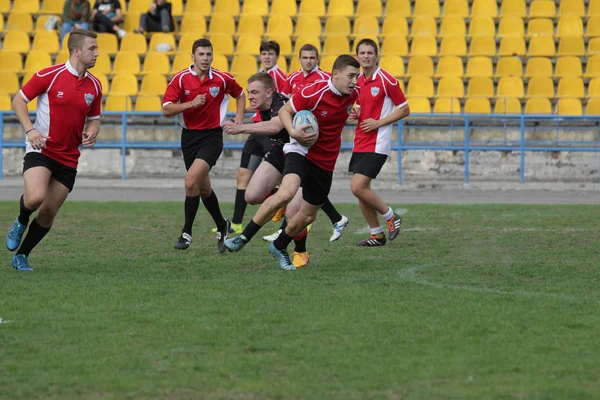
(254, 150)
(315, 181)
(206, 145)
(368, 164)
(276, 157)
(60, 172)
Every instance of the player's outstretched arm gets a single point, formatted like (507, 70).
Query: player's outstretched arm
(370, 124)
(240, 104)
(90, 132)
(271, 127)
(172, 109)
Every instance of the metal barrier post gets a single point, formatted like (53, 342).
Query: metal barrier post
(400, 134)
(522, 147)
(466, 149)
(123, 146)
(1, 142)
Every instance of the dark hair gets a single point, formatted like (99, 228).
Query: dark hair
(308, 47)
(76, 38)
(270, 45)
(367, 42)
(263, 78)
(201, 43)
(343, 61)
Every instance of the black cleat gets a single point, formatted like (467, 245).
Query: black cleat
(184, 241)
(374, 241)
(394, 226)
(222, 235)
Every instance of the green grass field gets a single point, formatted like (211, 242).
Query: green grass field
(470, 302)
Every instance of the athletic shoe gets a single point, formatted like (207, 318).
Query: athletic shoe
(237, 243)
(222, 235)
(272, 236)
(308, 228)
(15, 234)
(20, 263)
(234, 228)
(301, 259)
(278, 215)
(184, 241)
(283, 257)
(338, 228)
(394, 226)
(373, 241)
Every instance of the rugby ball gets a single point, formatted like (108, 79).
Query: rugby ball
(305, 117)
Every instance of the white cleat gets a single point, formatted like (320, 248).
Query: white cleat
(271, 238)
(338, 228)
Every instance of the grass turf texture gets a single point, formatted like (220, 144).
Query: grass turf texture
(470, 302)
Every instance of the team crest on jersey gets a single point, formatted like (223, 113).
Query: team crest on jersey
(214, 91)
(374, 91)
(88, 97)
(187, 92)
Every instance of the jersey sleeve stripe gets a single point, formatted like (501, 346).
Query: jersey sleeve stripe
(25, 97)
(93, 117)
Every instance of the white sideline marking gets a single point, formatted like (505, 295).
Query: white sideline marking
(409, 274)
(4, 321)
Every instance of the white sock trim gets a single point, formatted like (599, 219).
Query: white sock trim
(389, 214)
(376, 231)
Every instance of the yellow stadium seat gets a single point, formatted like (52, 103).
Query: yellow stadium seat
(571, 86)
(176, 8)
(336, 45)
(255, 7)
(572, 7)
(192, 23)
(394, 27)
(148, 104)
(63, 55)
(593, 106)
(311, 25)
(484, 8)
(512, 46)
(294, 64)
(103, 81)
(117, 103)
(134, 43)
(28, 6)
(480, 105)
(510, 86)
(569, 25)
(453, 26)
(307, 39)
(156, 63)
(479, 67)
(244, 64)
(538, 105)
(482, 26)
(312, 7)
(513, 7)
(223, 42)
(456, 7)
(446, 105)
(420, 86)
(423, 26)
(126, 84)
(199, 7)
(222, 23)
(419, 105)
(540, 27)
(250, 25)
(593, 27)
(226, 7)
(420, 66)
(132, 21)
(220, 62)
(569, 107)
(37, 60)
(102, 63)
(480, 87)
(453, 46)
(509, 66)
(335, 25)
(46, 40)
(107, 43)
(19, 21)
(9, 82)
(1, 24)
(593, 8)
(392, 64)
(540, 86)
(286, 8)
(483, 46)
(394, 46)
(507, 105)
(326, 63)
(593, 88)
(4, 6)
(137, 6)
(153, 84)
(542, 9)
(542, 46)
(371, 8)
(40, 22)
(181, 62)
(5, 103)
(160, 38)
(365, 26)
(16, 41)
(449, 66)
(186, 42)
(126, 62)
(280, 25)
(511, 26)
(574, 46)
(538, 66)
(592, 69)
(398, 8)
(10, 61)
(285, 44)
(429, 8)
(248, 44)
(451, 87)
(341, 7)
(569, 66)
(423, 46)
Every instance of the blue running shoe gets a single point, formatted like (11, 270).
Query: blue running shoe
(15, 234)
(283, 257)
(20, 263)
(237, 243)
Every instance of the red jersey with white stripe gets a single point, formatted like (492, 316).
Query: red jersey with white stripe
(279, 79)
(297, 80)
(379, 96)
(216, 85)
(65, 104)
(331, 110)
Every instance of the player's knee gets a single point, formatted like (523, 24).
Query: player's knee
(192, 188)
(358, 189)
(253, 197)
(34, 200)
(284, 196)
(308, 219)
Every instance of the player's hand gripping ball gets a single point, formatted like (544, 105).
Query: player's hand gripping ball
(305, 117)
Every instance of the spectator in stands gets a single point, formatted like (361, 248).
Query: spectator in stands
(158, 18)
(106, 17)
(76, 14)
